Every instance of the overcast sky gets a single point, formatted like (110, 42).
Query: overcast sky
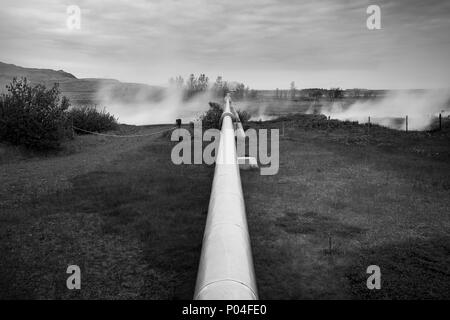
(264, 43)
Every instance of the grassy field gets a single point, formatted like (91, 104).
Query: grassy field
(379, 199)
(134, 222)
(117, 208)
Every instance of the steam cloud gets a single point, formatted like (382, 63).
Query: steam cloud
(143, 105)
(256, 109)
(421, 107)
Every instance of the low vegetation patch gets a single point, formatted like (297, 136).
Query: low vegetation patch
(39, 118)
(89, 118)
(33, 116)
(211, 118)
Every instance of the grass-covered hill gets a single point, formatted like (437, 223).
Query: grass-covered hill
(80, 91)
(9, 71)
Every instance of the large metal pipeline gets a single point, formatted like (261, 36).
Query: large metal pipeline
(226, 265)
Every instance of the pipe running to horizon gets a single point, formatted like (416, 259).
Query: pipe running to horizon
(226, 266)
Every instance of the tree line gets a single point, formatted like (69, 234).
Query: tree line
(313, 93)
(194, 85)
(320, 93)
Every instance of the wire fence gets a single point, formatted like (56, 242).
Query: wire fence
(123, 136)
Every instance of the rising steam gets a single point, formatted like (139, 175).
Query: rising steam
(143, 105)
(421, 107)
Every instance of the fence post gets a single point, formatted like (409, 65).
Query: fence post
(73, 130)
(368, 126)
(440, 121)
(330, 244)
(406, 123)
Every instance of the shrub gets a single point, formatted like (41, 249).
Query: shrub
(33, 116)
(211, 119)
(90, 119)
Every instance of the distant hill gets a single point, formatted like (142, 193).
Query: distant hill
(79, 91)
(9, 71)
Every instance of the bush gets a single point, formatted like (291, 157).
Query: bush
(211, 119)
(33, 116)
(90, 119)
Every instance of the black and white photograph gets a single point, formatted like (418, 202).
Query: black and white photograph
(244, 152)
